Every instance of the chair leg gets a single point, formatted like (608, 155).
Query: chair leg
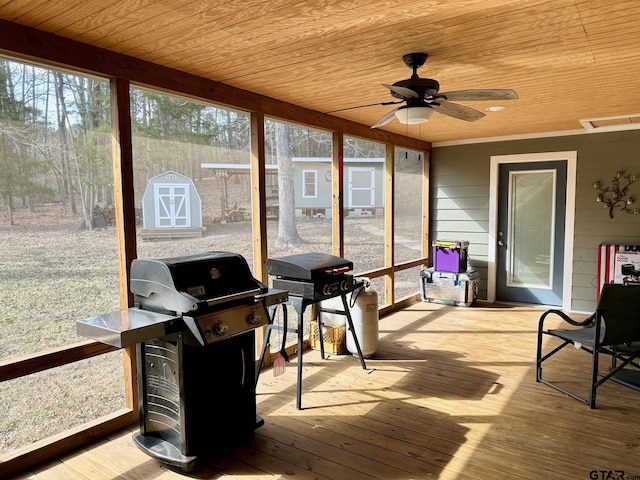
(594, 379)
(539, 357)
(617, 367)
(540, 360)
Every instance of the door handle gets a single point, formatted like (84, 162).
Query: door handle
(500, 243)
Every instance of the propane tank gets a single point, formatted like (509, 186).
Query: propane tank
(363, 305)
(333, 319)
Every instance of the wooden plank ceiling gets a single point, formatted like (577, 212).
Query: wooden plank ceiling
(567, 59)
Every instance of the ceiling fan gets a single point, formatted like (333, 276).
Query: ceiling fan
(421, 98)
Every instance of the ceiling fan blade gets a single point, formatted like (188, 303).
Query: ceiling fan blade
(455, 110)
(363, 106)
(402, 91)
(479, 94)
(386, 119)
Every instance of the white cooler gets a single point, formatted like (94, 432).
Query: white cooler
(459, 289)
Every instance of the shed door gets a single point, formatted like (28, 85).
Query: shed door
(172, 205)
(362, 187)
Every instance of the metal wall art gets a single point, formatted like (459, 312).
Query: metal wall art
(617, 195)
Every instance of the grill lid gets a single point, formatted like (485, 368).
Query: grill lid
(308, 266)
(186, 283)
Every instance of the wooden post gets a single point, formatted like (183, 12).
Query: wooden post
(259, 210)
(125, 213)
(337, 187)
(426, 247)
(258, 200)
(389, 165)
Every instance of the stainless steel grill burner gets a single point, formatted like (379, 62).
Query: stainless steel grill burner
(194, 327)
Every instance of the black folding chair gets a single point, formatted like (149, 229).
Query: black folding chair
(613, 330)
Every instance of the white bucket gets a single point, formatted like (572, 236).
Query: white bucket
(364, 315)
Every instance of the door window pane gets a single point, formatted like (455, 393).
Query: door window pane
(531, 229)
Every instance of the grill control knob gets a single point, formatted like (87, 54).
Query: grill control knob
(344, 285)
(326, 290)
(221, 328)
(254, 318)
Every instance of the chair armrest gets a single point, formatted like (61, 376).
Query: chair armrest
(585, 323)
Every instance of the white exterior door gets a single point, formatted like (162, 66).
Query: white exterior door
(362, 181)
(172, 206)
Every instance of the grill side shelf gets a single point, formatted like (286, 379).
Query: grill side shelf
(126, 327)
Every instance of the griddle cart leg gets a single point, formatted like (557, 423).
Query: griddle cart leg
(320, 333)
(300, 306)
(300, 351)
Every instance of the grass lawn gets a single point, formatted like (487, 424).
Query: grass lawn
(53, 273)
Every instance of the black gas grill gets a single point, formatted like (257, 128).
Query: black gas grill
(310, 278)
(194, 327)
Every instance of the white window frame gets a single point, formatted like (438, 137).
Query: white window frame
(305, 193)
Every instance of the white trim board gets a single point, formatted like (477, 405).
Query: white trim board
(526, 136)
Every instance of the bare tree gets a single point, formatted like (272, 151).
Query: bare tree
(64, 138)
(21, 151)
(287, 230)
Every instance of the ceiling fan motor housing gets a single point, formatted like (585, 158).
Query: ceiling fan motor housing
(424, 87)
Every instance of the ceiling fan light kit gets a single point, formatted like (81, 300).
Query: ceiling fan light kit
(413, 115)
(421, 98)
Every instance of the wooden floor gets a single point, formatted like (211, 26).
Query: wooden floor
(450, 394)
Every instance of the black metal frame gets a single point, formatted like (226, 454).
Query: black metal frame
(612, 330)
(300, 304)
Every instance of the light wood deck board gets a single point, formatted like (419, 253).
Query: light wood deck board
(450, 394)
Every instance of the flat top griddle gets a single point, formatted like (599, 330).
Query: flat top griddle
(308, 266)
